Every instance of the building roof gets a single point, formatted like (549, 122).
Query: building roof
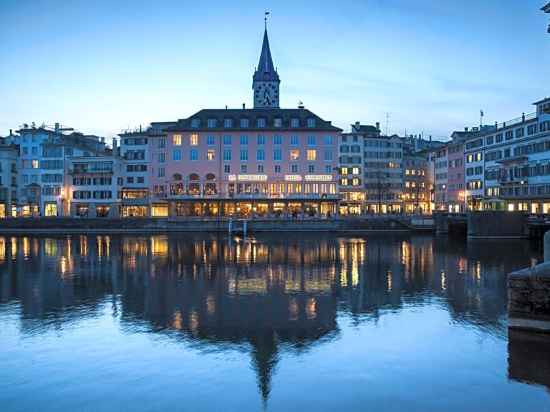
(546, 99)
(546, 8)
(364, 128)
(269, 114)
(266, 71)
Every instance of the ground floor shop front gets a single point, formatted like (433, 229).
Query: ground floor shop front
(231, 207)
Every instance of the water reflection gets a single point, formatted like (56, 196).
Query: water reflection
(267, 296)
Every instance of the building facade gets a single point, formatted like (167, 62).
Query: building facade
(8, 179)
(42, 164)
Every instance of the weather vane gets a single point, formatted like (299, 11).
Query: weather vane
(265, 18)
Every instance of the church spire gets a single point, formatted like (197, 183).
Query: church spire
(266, 70)
(266, 79)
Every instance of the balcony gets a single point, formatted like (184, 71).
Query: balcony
(89, 171)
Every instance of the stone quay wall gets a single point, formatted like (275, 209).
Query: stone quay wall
(529, 298)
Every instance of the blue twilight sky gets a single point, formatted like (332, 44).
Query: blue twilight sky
(101, 66)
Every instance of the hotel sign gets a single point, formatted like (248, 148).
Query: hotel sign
(252, 178)
(318, 178)
(293, 178)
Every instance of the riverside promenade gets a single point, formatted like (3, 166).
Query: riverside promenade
(65, 225)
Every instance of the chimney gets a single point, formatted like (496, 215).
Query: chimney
(225, 107)
(377, 125)
(465, 129)
(11, 132)
(244, 106)
(57, 127)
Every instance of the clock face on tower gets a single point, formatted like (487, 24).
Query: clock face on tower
(266, 94)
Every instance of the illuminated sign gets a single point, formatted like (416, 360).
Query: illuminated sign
(252, 178)
(232, 178)
(293, 178)
(318, 178)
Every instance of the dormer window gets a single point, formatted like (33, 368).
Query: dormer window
(260, 122)
(195, 123)
(244, 123)
(311, 122)
(227, 123)
(278, 122)
(211, 123)
(295, 122)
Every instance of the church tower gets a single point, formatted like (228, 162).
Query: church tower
(266, 79)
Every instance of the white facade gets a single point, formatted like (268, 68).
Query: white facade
(93, 185)
(43, 155)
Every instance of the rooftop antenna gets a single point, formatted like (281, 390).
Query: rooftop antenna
(481, 114)
(387, 123)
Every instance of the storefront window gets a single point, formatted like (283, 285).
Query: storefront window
(50, 209)
(160, 210)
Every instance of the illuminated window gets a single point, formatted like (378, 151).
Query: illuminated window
(355, 181)
(312, 155)
(176, 140)
(294, 154)
(194, 139)
(344, 170)
(355, 171)
(344, 182)
(35, 164)
(210, 155)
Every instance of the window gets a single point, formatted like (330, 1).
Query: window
(520, 132)
(278, 122)
(195, 123)
(260, 122)
(176, 154)
(194, 139)
(260, 155)
(344, 171)
(312, 155)
(244, 155)
(277, 155)
(176, 140)
(210, 155)
(210, 141)
(294, 168)
(311, 122)
(260, 140)
(260, 168)
(244, 140)
(193, 154)
(227, 123)
(277, 168)
(226, 168)
(244, 123)
(294, 141)
(277, 139)
(498, 138)
(294, 122)
(227, 154)
(244, 168)
(162, 157)
(294, 154)
(311, 168)
(162, 172)
(35, 164)
(311, 140)
(227, 140)
(162, 143)
(211, 123)
(329, 140)
(328, 155)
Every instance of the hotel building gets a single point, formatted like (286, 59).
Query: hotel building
(260, 161)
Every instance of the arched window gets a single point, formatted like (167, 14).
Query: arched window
(177, 176)
(194, 177)
(210, 176)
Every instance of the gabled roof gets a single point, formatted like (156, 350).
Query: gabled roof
(266, 70)
(268, 114)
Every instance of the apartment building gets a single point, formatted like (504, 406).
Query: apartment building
(43, 159)
(8, 178)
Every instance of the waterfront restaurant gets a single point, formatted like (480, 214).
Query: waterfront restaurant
(249, 162)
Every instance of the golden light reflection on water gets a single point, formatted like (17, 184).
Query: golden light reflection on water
(2, 249)
(26, 247)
